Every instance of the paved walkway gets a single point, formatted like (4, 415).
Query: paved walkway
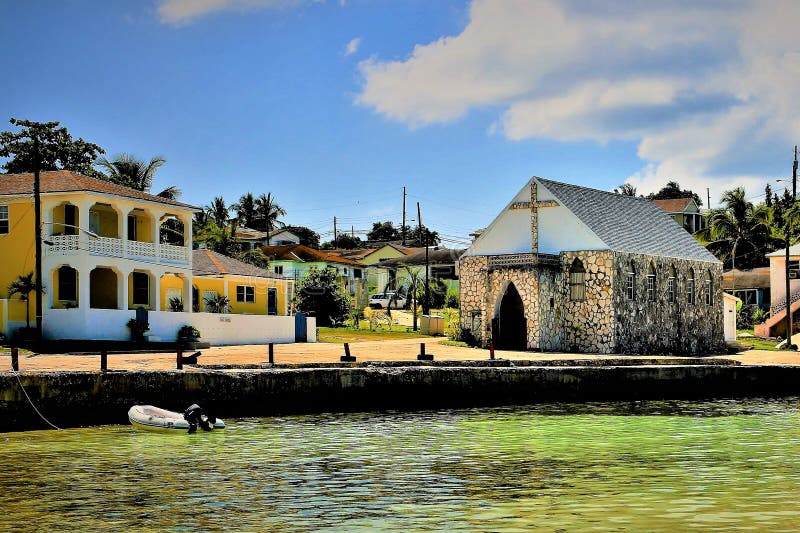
(392, 350)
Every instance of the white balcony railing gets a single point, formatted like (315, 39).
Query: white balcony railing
(110, 247)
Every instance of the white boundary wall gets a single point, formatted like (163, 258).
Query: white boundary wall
(217, 329)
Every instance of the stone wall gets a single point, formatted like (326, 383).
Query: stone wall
(589, 324)
(661, 326)
(473, 276)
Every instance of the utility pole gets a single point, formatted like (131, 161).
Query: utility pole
(37, 222)
(426, 305)
(403, 227)
(788, 243)
(335, 236)
(353, 232)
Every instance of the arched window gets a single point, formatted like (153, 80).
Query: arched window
(651, 283)
(690, 287)
(630, 285)
(671, 284)
(67, 284)
(708, 287)
(577, 281)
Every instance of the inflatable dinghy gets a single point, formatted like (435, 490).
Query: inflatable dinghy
(157, 419)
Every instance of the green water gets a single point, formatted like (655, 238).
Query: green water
(654, 466)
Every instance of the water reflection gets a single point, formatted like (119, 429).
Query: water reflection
(658, 466)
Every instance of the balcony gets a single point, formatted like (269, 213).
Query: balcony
(110, 247)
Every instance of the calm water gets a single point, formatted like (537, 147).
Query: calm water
(654, 466)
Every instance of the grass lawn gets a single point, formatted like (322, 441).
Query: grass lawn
(363, 333)
(756, 342)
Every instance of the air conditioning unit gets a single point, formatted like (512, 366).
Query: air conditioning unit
(794, 274)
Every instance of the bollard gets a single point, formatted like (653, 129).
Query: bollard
(491, 350)
(180, 359)
(271, 354)
(103, 360)
(15, 359)
(347, 358)
(422, 355)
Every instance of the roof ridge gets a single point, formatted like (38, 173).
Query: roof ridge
(616, 194)
(216, 262)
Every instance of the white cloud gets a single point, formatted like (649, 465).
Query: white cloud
(352, 46)
(708, 90)
(184, 11)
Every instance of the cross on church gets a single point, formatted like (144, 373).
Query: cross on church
(534, 206)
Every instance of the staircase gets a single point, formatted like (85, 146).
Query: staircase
(777, 317)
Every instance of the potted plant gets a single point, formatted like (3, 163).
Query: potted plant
(188, 333)
(138, 329)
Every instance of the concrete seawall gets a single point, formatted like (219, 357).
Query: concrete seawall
(71, 399)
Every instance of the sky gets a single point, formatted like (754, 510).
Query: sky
(335, 105)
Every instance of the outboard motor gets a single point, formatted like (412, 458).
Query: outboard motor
(195, 415)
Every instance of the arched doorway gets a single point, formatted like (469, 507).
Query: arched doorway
(509, 324)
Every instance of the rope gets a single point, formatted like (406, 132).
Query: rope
(31, 402)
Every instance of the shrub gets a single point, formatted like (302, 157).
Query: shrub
(218, 304)
(175, 304)
(453, 299)
(319, 293)
(749, 315)
(138, 329)
(188, 332)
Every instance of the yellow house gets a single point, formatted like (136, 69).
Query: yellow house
(109, 249)
(250, 290)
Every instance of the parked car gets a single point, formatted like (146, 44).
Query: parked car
(383, 300)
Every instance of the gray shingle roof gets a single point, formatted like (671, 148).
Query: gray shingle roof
(208, 263)
(628, 224)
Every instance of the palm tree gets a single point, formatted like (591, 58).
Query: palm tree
(246, 210)
(218, 211)
(24, 286)
(217, 303)
(221, 239)
(269, 213)
(739, 229)
(127, 170)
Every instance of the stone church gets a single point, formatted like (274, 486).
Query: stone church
(568, 268)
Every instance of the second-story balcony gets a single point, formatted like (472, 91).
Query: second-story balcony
(110, 247)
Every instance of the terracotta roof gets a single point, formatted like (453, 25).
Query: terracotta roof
(67, 181)
(673, 205)
(208, 263)
(298, 252)
(757, 278)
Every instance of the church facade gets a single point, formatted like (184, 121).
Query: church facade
(568, 268)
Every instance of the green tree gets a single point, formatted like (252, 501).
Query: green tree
(383, 231)
(319, 293)
(269, 213)
(221, 239)
(24, 286)
(254, 257)
(218, 212)
(217, 303)
(129, 171)
(673, 190)
(345, 242)
(245, 210)
(57, 149)
(738, 232)
(308, 237)
(416, 236)
(626, 189)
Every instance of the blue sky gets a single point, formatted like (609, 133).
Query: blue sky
(459, 101)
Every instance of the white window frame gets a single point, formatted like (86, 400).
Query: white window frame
(630, 286)
(5, 220)
(247, 295)
(671, 289)
(651, 287)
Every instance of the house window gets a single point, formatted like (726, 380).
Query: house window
(131, 227)
(279, 269)
(690, 287)
(651, 284)
(245, 293)
(747, 296)
(708, 288)
(70, 219)
(94, 222)
(794, 269)
(67, 284)
(577, 281)
(357, 273)
(141, 288)
(344, 271)
(630, 284)
(4, 229)
(671, 285)
(272, 301)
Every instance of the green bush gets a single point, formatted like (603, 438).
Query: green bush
(188, 332)
(748, 316)
(319, 293)
(453, 299)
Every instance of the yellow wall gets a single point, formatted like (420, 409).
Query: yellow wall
(259, 307)
(387, 252)
(108, 222)
(143, 227)
(171, 282)
(17, 250)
